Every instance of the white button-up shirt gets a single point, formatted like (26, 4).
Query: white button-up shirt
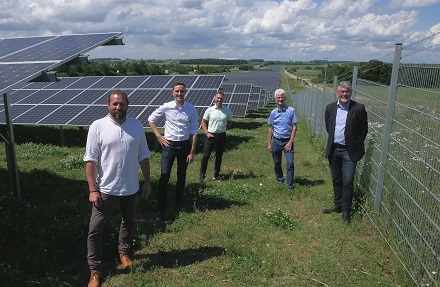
(180, 122)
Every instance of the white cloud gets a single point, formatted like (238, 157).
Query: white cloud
(227, 28)
(397, 4)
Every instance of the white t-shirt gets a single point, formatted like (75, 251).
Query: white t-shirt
(117, 150)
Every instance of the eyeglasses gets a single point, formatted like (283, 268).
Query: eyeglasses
(344, 92)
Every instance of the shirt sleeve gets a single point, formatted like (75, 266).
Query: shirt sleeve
(194, 129)
(157, 114)
(92, 146)
(144, 151)
(270, 120)
(206, 114)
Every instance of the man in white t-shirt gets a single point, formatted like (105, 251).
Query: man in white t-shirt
(116, 146)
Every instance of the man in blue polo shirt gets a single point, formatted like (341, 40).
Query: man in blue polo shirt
(282, 131)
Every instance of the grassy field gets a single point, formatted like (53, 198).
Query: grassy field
(244, 231)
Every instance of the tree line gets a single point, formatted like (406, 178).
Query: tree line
(373, 70)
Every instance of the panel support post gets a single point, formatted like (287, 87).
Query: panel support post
(11, 155)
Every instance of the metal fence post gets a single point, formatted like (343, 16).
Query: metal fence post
(387, 128)
(354, 81)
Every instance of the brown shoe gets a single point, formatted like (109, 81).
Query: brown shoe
(94, 278)
(125, 260)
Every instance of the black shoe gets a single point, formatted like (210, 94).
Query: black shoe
(217, 178)
(346, 217)
(333, 209)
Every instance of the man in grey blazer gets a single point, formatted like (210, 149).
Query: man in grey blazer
(347, 127)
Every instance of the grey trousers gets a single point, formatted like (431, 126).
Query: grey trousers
(99, 218)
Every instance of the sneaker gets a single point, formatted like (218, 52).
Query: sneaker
(218, 178)
(94, 278)
(125, 260)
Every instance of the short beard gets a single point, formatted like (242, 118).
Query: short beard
(344, 100)
(118, 115)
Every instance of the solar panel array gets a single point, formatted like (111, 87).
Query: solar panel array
(263, 82)
(78, 101)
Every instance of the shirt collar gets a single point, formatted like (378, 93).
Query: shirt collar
(283, 109)
(347, 105)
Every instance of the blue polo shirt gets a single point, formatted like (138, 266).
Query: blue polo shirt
(282, 121)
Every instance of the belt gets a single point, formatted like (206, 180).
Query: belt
(217, 134)
(282, 140)
(340, 145)
(178, 142)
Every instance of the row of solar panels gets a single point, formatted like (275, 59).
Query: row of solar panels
(78, 101)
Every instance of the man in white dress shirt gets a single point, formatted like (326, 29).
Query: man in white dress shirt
(179, 141)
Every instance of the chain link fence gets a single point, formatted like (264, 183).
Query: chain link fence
(400, 171)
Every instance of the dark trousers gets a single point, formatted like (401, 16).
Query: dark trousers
(343, 171)
(97, 223)
(217, 142)
(179, 150)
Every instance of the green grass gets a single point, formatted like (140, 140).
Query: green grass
(244, 231)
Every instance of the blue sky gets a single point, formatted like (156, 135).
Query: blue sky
(272, 30)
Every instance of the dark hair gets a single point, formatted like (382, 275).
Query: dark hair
(119, 93)
(179, 84)
(219, 92)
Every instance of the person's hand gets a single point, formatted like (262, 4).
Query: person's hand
(146, 190)
(269, 147)
(190, 158)
(209, 135)
(289, 146)
(163, 141)
(95, 198)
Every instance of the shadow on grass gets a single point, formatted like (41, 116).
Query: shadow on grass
(174, 259)
(43, 236)
(306, 182)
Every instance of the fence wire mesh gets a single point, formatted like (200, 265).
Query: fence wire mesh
(410, 191)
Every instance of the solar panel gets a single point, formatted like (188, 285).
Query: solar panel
(58, 48)
(88, 97)
(208, 82)
(89, 115)
(18, 95)
(156, 82)
(8, 46)
(107, 82)
(23, 59)
(187, 80)
(238, 110)
(62, 115)
(143, 97)
(37, 112)
(38, 97)
(131, 82)
(239, 98)
(201, 97)
(143, 117)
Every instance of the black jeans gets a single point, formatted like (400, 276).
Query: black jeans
(179, 150)
(217, 142)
